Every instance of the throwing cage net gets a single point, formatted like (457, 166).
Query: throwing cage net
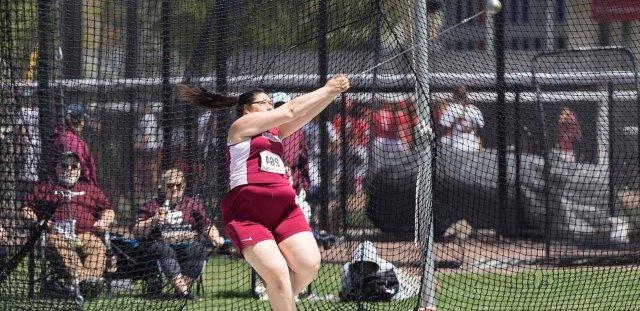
(482, 159)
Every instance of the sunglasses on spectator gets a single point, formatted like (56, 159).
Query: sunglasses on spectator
(264, 102)
(73, 166)
(177, 186)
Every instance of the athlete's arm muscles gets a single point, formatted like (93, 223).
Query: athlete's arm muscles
(297, 112)
(252, 124)
(311, 106)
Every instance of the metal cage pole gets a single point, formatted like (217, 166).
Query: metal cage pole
(221, 32)
(501, 122)
(610, 102)
(424, 181)
(131, 70)
(193, 69)
(45, 102)
(323, 71)
(167, 109)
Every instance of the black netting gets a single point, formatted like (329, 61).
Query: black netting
(480, 160)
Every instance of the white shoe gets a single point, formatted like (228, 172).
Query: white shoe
(261, 291)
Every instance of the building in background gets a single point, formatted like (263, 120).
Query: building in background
(532, 26)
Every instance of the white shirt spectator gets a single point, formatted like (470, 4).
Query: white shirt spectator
(178, 137)
(29, 119)
(312, 135)
(149, 133)
(203, 122)
(206, 132)
(464, 121)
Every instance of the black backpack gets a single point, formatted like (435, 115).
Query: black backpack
(370, 285)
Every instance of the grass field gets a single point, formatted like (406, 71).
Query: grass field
(227, 282)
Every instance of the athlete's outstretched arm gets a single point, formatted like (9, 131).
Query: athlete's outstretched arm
(313, 105)
(294, 113)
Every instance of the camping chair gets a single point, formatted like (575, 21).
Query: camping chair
(130, 261)
(50, 273)
(135, 262)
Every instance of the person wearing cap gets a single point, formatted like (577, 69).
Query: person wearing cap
(67, 137)
(176, 228)
(76, 212)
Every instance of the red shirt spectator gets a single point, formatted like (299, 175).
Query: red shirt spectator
(357, 129)
(82, 201)
(175, 214)
(193, 212)
(392, 124)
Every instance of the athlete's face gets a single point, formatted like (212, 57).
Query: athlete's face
(261, 102)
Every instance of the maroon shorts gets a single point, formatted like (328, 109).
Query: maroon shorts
(259, 212)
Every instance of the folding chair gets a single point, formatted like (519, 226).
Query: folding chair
(50, 285)
(134, 263)
(198, 282)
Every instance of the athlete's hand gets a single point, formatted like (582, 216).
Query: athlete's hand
(339, 83)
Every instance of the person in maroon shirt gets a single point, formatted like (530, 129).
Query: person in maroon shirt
(174, 226)
(77, 212)
(67, 138)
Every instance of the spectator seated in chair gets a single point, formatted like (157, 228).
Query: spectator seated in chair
(176, 228)
(77, 214)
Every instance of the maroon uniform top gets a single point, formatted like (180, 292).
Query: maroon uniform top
(83, 202)
(65, 140)
(257, 160)
(193, 213)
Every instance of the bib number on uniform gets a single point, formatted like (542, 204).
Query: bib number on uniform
(271, 162)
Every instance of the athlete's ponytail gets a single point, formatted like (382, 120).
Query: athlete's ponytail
(202, 97)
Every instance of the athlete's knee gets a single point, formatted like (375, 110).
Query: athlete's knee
(309, 265)
(279, 282)
(315, 264)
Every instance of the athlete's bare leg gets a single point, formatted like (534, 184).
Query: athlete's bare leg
(265, 257)
(303, 257)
